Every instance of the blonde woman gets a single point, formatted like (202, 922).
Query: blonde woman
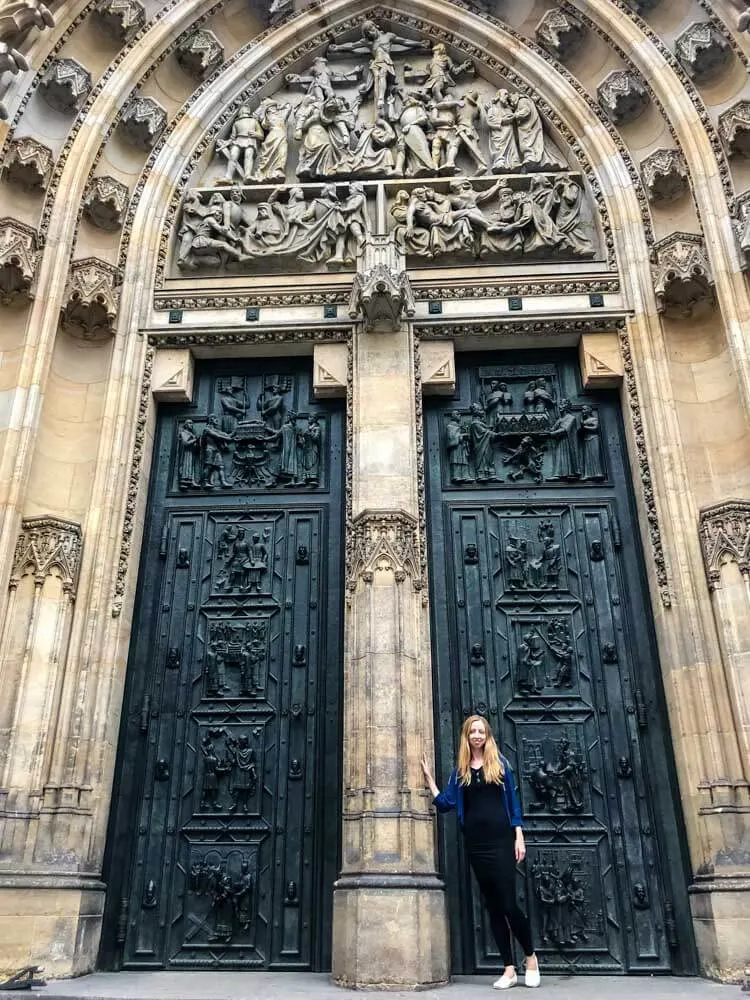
(482, 790)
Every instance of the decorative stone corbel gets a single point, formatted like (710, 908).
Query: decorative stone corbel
(725, 537)
(18, 258)
(120, 19)
(665, 175)
(29, 163)
(66, 85)
(683, 280)
(92, 297)
(104, 203)
(384, 541)
(622, 95)
(45, 544)
(381, 292)
(560, 34)
(734, 128)
(741, 223)
(200, 53)
(330, 364)
(703, 52)
(600, 358)
(438, 365)
(143, 120)
(172, 375)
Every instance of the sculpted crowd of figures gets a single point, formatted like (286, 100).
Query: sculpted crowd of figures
(525, 429)
(400, 121)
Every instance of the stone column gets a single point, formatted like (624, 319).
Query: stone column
(389, 916)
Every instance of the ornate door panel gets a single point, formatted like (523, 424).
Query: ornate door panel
(541, 624)
(226, 828)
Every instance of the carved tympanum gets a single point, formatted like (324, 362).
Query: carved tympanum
(725, 537)
(623, 96)
(560, 33)
(143, 120)
(91, 300)
(384, 540)
(18, 259)
(200, 53)
(734, 128)
(665, 175)
(29, 163)
(65, 85)
(48, 545)
(105, 201)
(703, 51)
(120, 19)
(683, 279)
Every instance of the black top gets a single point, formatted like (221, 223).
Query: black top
(485, 815)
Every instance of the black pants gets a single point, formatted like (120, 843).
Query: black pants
(494, 866)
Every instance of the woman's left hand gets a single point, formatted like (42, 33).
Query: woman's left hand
(520, 845)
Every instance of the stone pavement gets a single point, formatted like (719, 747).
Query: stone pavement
(309, 986)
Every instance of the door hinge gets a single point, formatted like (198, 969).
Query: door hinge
(145, 711)
(614, 527)
(640, 709)
(670, 925)
(164, 541)
(122, 920)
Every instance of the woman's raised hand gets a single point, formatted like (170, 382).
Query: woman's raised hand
(428, 778)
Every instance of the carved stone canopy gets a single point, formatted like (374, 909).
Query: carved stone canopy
(725, 537)
(104, 203)
(29, 163)
(143, 120)
(65, 85)
(683, 279)
(665, 175)
(560, 34)
(200, 53)
(734, 128)
(741, 223)
(120, 19)
(46, 544)
(384, 541)
(383, 297)
(703, 52)
(18, 259)
(622, 95)
(92, 297)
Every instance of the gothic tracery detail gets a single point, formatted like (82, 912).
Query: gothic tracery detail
(724, 530)
(45, 544)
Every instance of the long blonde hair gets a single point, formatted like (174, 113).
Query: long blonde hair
(494, 771)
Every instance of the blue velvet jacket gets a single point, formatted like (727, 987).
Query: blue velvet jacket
(452, 797)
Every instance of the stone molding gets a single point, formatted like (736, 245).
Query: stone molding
(105, 202)
(66, 85)
(46, 543)
(330, 362)
(143, 120)
(724, 530)
(665, 175)
(173, 375)
(29, 164)
(19, 254)
(92, 298)
(601, 361)
(702, 51)
(437, 361)
(622, 96)
(200, 53)
(562, 326)
(734, 128)
(560, 33)
(384, 541)
(683, 280)
(120, 19)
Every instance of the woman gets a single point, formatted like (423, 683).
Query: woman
(482, 790)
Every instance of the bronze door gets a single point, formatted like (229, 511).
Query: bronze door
(224, 838)
(541, 623)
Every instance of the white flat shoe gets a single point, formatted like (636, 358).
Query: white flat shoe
(532, 978)
(505, 982)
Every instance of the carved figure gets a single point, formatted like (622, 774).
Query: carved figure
(516, 555)
(506, 224)
(311, 441)
(457, 448)
(295, 769)
(238, 564)
(324, 128)
(443, 118)
(149, 896)
(568, 219)
(541, 202)
(241, 147)
(203, 237)
(244, 778)
(482, 437)
(414, 155)
(272, 155)
(380, 46)
(531, 142)
(352, 227)
(187, 456)
(528, 460)
(213, 442)
(640, 896)
(258, 562)
(222, 907)
(591, 455)
(373, 154)
(497, 399)
(215, 671)
(270, 405)
(432, 227)
(442, 72)
(214, 767)
(530, 664)
(500, 118)
(242, 895)
(466, 133)
(320, 79)
(562, 902)
(564, 435)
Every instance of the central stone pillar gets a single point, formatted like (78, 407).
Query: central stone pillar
(389, 913)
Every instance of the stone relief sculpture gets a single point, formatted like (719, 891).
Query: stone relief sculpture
(372, 120)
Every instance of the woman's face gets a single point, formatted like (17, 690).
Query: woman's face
(477, 736)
